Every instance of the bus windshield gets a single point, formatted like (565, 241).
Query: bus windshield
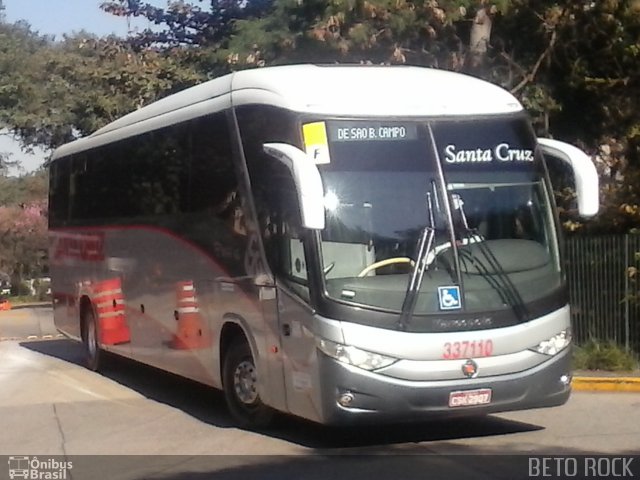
(480, 188)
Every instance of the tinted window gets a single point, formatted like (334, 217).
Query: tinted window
(273, 189)
(184, 168)
(59, 192)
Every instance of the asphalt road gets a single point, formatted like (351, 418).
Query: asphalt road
(51, 406)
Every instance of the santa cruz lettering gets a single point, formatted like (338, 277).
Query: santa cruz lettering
(502, 152)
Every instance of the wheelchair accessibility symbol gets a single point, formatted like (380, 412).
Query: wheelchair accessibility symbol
(449, 298)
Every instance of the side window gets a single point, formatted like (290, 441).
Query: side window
(59, 192)
(273, 189)
(82, 187)
(216, 211)
(212, 182)
(563, 184)
(140, 177)
(96, 190)
(177, 169)
(154, 170)
(279, 218)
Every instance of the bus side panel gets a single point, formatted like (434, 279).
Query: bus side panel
(65, 309)
(165, 287)
(300, 358)
(272, 389)
(89, 263)
(75, 258)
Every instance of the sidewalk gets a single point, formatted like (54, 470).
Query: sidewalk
(18, 306)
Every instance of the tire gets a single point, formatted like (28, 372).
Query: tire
(90, 340)
(240, 383)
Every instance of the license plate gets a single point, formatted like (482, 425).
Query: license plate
(470, 398)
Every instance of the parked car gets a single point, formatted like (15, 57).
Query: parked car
(5, 284)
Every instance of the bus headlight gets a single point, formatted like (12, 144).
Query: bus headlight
(555, 344)
(354, 356)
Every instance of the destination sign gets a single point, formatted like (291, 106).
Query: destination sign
(371, 131)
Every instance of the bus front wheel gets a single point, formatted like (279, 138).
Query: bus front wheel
(90, 340)
(240, 383)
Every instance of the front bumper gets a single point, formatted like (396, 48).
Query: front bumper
(381, 399)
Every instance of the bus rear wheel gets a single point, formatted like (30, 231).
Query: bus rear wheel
(240, 383)
(90, 340)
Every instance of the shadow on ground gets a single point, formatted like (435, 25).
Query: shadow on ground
(207, 405)
(470, 464)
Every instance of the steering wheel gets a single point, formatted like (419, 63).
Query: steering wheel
(384, 263)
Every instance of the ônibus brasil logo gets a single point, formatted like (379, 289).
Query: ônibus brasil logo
(34, 469)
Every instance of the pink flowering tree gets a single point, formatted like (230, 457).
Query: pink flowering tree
(23, 240)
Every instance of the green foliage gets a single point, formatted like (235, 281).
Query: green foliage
(596, 355)
(27, 189)
(23, 236)
(574, 65)
(595, 76)
(376, 31)
(23, 240)
(188, 23)
(53, 92)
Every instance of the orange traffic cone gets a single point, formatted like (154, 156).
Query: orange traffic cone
(5, 305)
(191, 333)
(109, 301)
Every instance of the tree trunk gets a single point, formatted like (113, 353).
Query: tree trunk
(480, 36)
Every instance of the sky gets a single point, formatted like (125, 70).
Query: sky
(57, 17)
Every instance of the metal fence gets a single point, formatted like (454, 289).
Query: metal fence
(605, 300)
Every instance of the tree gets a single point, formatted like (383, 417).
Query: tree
(53, 92)
(23, 240)
(23, 225)
(574, 65)
(23, 190)
(586, 91)
(6, 163)
(186, 23)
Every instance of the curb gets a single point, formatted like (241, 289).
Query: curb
(31, 338)
(606, 384)
(18, 306)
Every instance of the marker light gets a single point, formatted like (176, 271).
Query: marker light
(555, 344)
(354, 356)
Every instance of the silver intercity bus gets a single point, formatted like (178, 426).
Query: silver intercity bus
(341, 243)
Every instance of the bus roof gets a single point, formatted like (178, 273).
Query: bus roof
(335, 90)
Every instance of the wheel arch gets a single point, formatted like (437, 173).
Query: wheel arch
(235, 327)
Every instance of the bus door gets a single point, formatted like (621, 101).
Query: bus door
(298, 341)
(290, 342)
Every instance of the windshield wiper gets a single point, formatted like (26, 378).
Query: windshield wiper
(498, 279)
(425, 245)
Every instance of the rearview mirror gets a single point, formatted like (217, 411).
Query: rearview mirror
(584, 173)
(307, 180)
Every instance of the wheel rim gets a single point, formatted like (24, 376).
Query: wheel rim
(245, 382)
(92, 341)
